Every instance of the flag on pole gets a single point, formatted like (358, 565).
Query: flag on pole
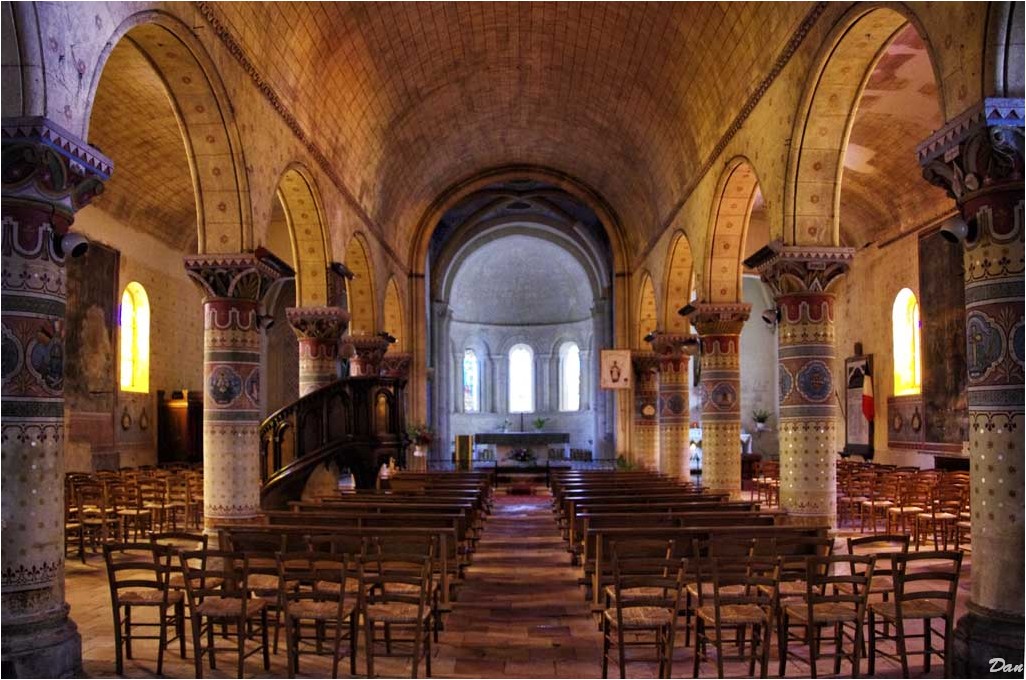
(868, 407)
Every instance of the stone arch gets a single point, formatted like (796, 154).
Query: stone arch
(1003, 55)
(305, 218)
(23, 63)
(826, 113)
(392, 317)
(201, 105)
(648, 317)
(680, 269)
(732, 211)
(360, 288)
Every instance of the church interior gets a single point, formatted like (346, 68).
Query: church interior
(533, 339)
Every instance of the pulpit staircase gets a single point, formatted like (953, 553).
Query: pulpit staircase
(356, 423)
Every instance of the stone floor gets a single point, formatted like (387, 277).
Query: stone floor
(520, 614)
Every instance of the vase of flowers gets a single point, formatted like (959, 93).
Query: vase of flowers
(539, 423)
(761, 417)
(422, 436)
(523, 456)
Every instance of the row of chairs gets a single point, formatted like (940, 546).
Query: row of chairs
(735, 602)
(322, 596)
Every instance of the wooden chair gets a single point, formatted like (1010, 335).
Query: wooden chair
(137, 575)
(914, 499)
(925, 588)
(831, 600)
(315, 592)
(883, 494)
(647, 596)
(394, 591)
(744, 597)
(215, 583)
(940, 518)
(126, 502)
(74, 530)
(99, 520)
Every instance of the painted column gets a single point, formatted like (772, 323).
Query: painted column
(233, 286)
(368, 350)
(318, 330)
(800, 279)
(47, 176)
(719, 326)
(978, 158)
(674, 423)
(646, 409)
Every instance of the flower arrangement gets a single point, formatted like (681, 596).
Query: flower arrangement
(761, 415)
(420, 434)
(523, 455)
(539, 423)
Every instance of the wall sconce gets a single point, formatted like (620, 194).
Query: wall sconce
(771, 316)
(691, 346)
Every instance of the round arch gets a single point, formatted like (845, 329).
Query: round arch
(732, 211)
(812, 194)
(360, 288)
(648, 317)
(677, 291)
(304, 216)
(200, 102)
(393, 320)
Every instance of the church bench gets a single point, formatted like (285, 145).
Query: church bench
(295, 537)
(568, 504)
(598, 563)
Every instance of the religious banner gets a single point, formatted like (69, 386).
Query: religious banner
(616, 369)
(858, 430)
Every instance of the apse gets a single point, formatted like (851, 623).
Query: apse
(520, 282)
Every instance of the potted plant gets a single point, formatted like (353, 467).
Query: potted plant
(422, 436)
(539, 423)
(761, 416)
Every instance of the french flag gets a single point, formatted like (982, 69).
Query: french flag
(868, 407)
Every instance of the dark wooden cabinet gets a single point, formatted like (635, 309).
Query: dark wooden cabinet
(180, 427)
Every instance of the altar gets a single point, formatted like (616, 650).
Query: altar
(538, 443)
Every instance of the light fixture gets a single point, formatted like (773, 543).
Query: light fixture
(956, 230)
(691, 346)
(387, 336)
(650, 337)
(687, 310)
(771, 316)
(75, 245)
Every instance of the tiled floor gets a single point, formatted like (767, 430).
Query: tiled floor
(520, 613)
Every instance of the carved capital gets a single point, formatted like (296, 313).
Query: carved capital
(45, 166)
(245, 276)
(644, 362)
(368, 351)
(673, 344)
(712, 318)
(396, 365)
(980, 150)
(318, 323)
(790, 270)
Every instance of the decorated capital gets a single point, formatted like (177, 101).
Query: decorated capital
(396, 365)
(368, 352)
(318, 330)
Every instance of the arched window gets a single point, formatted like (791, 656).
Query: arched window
(135, 339)
(908, 377)
(521, 379)
(471, 383)
(569, 377)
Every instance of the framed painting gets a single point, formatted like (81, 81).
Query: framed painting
(615, 369)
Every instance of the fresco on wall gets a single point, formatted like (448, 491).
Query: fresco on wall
(91, 317)
(942, 310)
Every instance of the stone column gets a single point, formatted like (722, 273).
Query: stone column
(369, 351)
(978, 158)
(674, 411)
(719, 326)
(318, 330)
(233, 285)
(47, 176)
(646, 408)
(800, 278)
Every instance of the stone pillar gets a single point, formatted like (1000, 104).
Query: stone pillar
(47, 176)
(369, 351)
(978, 158)
(719, 326)
(674, 410)
(800, 278)
(233, 286)
(318, 330)
(646, 409)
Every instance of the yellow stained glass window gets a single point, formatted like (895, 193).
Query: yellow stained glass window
(135, 339)
(908, 377)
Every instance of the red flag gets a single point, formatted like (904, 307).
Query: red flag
(868, 407)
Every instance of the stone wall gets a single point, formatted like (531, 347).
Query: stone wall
(759, 368)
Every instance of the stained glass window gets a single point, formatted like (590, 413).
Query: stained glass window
(908, 378)
(135, 339)
(471, 383)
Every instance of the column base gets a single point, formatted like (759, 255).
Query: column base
(982, 638)
(810, 521)
(46, 649)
